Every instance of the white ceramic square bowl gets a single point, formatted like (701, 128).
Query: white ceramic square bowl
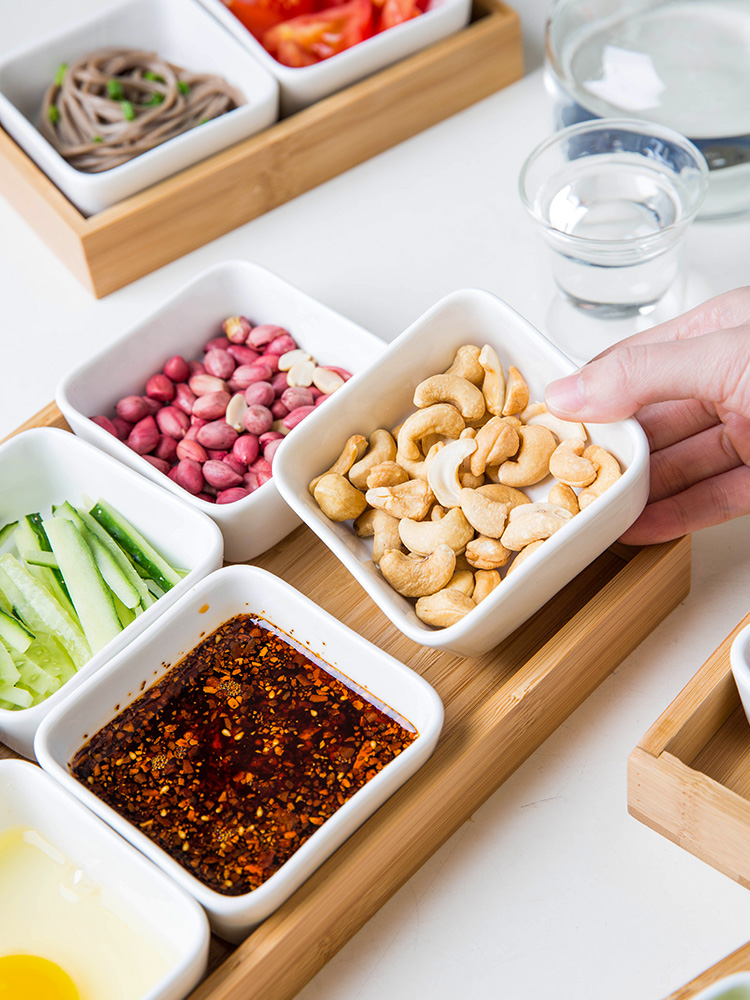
(130, 886)
(182, 326)
(44, 466)
(383, 396)
(182, 32)
(739, 658)
(303, 85)
(228, 592)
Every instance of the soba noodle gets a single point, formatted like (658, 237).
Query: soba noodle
(114, 104)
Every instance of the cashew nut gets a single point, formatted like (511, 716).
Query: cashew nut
(386, 474)
(568, 465)
(532, 523)
(563, 496)
(382, 449)
(485, 515)
(412, 499)
(445, 608)
(442, 418)
(454, 389)
(425, 536)
(337, 498)
(516, 393)
(382, 527)
(538, 413)
(466, 364)
(437, 513)
(419, 469)
(496, 441)
(504, 494)
(353, 449)
(493, 383)
(463, 581)
(607, 473)
(485, 581)
(523, 555)
(469, 481)
(531, 464)
(443, 472)
(487, 553)
(418, 577)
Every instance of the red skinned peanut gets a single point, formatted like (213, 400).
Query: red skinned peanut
(279, 382)
(211, 406)
(260, 392)
(122, 428)
(250, 482)
(237, 328)
(184, 397)
(176, 369)
(220, 475)
(264, 334)
(221, 342)
(217, 434)
(132, 409)
(106, 424)
(270, 450)
(297, 416)
(243, 354)
(239, 467)
(161, 388)
(144, 436)
(271, 360)
(219, 363)
(279, 410)
(280, 345)
(295, 396)
(166, 449)
(152, 405)
(172, 422)
(191, 449)
(246, 448)
(196, 368)
(158, 463)
(258, 419)
(201, 385)
(189, 476)
(231, 495)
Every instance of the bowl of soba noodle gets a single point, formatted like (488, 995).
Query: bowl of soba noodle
(115, 104)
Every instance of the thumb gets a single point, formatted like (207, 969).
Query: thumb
(618, 384)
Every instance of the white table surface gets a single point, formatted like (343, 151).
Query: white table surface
(551, 889)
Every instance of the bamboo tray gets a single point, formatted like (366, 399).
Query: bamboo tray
(689, 777)
(114, 247)
(738, 961)
(498, 710)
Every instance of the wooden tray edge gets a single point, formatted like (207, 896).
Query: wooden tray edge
(737, 961)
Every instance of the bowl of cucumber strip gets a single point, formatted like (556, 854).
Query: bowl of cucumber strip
(91, 553)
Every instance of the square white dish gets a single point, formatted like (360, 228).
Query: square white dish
(127, 884)
(182, 326)
(45, 465)
(303, 85)
(739, 658)
(226, 593)
(180, 31)
(383, 397)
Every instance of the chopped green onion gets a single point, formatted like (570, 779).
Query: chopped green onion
(203, 121)
(184, 87)
(53, 114)
(156, 98)
(98, 138)
(60, 75)
(150, 75)
(128, 110)
(114, 89)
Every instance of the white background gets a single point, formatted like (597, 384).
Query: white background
(551, 890)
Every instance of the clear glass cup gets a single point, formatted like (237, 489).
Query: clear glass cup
(680, 63)
(612, 198)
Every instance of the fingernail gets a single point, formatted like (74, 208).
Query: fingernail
(566, 395)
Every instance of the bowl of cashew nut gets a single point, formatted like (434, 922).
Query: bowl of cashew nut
(441, 481)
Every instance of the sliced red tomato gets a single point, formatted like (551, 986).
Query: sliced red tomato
(260, 15)
(396, 12)
(310, 38)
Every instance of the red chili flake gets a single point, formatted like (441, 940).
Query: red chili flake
(234, 758)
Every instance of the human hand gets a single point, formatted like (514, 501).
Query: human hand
(688, 384)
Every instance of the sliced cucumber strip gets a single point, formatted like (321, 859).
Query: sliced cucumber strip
(120, 557)
(30, 537)
(39, 558)
(15, 633)
(8, 671)
(39, 609)
(46, 652)
(17, 697)
(132, 541)
(89, 593)
(6, 531)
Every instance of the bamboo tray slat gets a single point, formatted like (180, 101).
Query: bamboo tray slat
(114, 247)
(689, 777)
(498, 709)
(738, 961)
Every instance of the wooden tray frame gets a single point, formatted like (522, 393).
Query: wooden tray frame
(738, 961)
(498, 709)
(114, 247)
(689, 777)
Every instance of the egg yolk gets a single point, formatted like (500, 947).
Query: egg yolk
(26, 977)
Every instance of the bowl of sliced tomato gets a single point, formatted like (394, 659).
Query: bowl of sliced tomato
(316, 47)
